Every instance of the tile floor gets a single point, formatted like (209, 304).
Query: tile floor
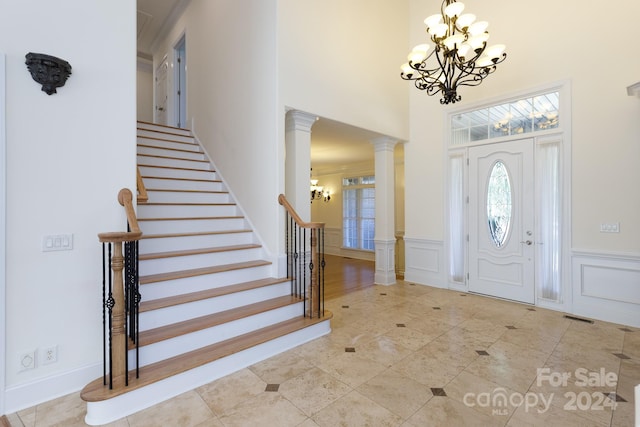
(411, 355)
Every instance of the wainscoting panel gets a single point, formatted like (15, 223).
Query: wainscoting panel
(424, 262)
(607, 287)
(333, 246)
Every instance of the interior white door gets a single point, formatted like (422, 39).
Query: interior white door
(160, 115)
(501, 220)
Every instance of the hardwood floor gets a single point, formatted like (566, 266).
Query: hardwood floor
(343, 275)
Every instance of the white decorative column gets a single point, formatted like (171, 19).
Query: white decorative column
(298, 161)
(385, 237)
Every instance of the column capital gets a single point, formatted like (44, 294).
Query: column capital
(384, 143)
(300, 121)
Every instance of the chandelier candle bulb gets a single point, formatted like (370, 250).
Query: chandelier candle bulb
(478, 28)
(461, 54)
(433, 20)
(454, 9)
(464, 21)
(495, 51)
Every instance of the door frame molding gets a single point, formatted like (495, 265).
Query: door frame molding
(563, 132)
(176, 83)
(3, 228)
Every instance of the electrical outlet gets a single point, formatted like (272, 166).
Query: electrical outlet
(26, 360)
(49, 355)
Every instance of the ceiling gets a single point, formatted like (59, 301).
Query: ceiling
(333, 144)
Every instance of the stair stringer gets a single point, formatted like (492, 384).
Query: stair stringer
(107, 411)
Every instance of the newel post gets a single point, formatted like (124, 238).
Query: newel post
(118, 315)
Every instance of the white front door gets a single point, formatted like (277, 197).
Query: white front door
(501, 220)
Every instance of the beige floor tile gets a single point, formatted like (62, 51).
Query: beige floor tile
(384, 350)
(281, 367)
(68, 410)
(444, 411)
(313, 390)
(397, 393)
(482, 395)
(426, 369)
(553, 416)
(266, 409)
(351, 368)
(355, 410)
(227, 392)
(185, 410)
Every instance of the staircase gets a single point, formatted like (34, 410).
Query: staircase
(210, 305)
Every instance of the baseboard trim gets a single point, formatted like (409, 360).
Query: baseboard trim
(29, 394)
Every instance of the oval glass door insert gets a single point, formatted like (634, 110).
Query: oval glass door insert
(499, 206)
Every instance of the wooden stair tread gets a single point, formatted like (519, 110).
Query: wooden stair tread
(200, 251)
(208, 293)
(162, 277)
(169, 127)
(155, 156)
(173, 330)
(180, 179)
(174, 141)
(194, 218)
(191, 234)
(169, 190)
(189, 204)
(174, 167)
(96, 391)
(169, 148)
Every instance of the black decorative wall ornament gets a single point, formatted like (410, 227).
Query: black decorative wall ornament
(49, 71)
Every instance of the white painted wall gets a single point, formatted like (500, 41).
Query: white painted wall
(545, 44)
(68, 154)
(144, 91)
(340, 60)
(232, 93)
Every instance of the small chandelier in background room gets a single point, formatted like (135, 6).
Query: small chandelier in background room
(318, 192)
(460, 50)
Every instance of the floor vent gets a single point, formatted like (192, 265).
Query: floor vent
(578, 318)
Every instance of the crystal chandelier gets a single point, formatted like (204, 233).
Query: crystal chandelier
(461, 52)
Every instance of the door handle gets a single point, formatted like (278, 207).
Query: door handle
(527, 242)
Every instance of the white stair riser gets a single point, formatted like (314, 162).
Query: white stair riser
(169, 134)
(180, 184)
(155, 151)
(186, 285)
(161, 143)
(173, 163)
(186, 197)
(167, 244)
(165, 316)
(150, 170)
(189, 342)
(192, 225)
(186, 211)
(166, 265)
(107, 411)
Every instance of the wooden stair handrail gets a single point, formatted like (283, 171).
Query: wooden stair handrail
(143, 197)
(125, 197)
(284, 202)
